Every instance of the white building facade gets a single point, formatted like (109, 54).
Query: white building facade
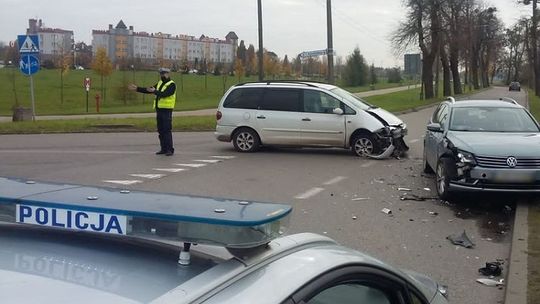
(124, 43)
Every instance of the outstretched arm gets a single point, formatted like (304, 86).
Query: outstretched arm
(149, 90)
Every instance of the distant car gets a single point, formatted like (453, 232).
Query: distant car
(60, 245)
(306, 114)
(483, 145)
(514, 86)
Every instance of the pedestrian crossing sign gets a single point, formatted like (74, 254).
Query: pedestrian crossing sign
(28, 44)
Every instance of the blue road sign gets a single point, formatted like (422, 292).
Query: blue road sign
(28, 44)
(29, 64)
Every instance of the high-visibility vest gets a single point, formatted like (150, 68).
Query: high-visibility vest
(165, 102)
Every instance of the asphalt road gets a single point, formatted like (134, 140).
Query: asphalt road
(326, 187)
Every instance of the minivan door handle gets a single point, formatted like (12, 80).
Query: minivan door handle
(306, 119)
(261, 117)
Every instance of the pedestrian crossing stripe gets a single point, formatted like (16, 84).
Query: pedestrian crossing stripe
(192, 165)
(28, 46)
(223, 156)
(123, 182)
(210, 161)
(172, 170)
(148, 176)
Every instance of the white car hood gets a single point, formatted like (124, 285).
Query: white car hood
(390, 118)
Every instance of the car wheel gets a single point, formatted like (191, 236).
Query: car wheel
(246, 140)
(446, 171)
(364, 144)
(425, 166)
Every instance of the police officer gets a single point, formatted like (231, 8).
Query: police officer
(165, 91)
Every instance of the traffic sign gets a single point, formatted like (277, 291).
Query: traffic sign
(313, 53)
(28, 44)
(29, 64)
(87, 83)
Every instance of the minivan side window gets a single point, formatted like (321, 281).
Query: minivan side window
(244, 98)
(319, 102)
(281, 100)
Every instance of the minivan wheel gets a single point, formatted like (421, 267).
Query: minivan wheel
(246, 140)
(364, 144)
(446, 171)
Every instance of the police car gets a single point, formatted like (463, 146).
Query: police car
(63, 243)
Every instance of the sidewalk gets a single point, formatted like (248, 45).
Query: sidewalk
(204, 112)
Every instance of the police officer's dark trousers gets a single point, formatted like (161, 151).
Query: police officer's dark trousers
(164, 126)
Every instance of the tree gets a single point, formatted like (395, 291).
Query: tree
(64, 64)
(372, 75)
(286, 67)
(424, 26)
(394, 75)
(241, 52)
(251, 61)
(103, 67)
(356, 70)
(239, 70)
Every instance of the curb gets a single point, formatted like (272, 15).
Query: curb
(516, 281)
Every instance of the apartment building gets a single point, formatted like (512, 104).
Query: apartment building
(53, 42)
(123, 43)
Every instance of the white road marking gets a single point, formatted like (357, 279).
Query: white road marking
(311, 192)
(412, 141)
(149, 176)
(368, 164)
(70, 152)
(334, 180)
(191, 165)
(209, 161)
(123, 182)
(223, 156)
(173, 170)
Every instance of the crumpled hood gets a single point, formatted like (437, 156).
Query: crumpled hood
(497, 144)
(390, 118)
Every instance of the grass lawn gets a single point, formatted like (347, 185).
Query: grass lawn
(533, 295)
(193, 91)
(93, 125)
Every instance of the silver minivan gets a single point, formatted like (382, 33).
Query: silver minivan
(306, 114)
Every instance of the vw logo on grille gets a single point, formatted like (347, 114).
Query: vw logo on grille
(511, 162)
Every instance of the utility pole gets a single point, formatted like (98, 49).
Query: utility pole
(330, 41)
(261, 71)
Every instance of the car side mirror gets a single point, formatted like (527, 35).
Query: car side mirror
(435, 127)
(337, 111)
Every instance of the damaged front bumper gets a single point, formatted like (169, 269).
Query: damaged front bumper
(477, 178)
(391, 140)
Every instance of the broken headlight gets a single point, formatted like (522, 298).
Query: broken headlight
(466, 158)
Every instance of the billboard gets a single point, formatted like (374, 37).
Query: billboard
(413, 64)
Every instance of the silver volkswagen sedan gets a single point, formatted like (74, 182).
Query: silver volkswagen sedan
(74, 244)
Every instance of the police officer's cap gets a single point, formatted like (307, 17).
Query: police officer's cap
(164, 70)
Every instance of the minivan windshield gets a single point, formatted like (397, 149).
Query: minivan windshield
(491, 119)
(357, 101)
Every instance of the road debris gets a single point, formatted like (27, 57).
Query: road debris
(414, 197)
(386, 210)
(427, 189)
(360, 199)
(403, 189)
(491, 269)
(461, 240)
(490, 282)
(433, 213)
(354, 217)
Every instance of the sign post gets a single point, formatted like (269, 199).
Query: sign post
(87, 83)
(29, 63)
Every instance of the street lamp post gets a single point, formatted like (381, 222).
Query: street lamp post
(261, 73)
(330, 42)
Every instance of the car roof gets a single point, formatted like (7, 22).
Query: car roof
(58, 265)
(288, 84)
(485, 103)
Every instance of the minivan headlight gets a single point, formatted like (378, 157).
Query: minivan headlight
(466, 157)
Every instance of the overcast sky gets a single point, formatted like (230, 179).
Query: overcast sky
(290, 26)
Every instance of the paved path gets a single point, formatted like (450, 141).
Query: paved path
(204, 112)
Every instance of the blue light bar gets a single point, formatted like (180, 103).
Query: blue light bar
(204, 220)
